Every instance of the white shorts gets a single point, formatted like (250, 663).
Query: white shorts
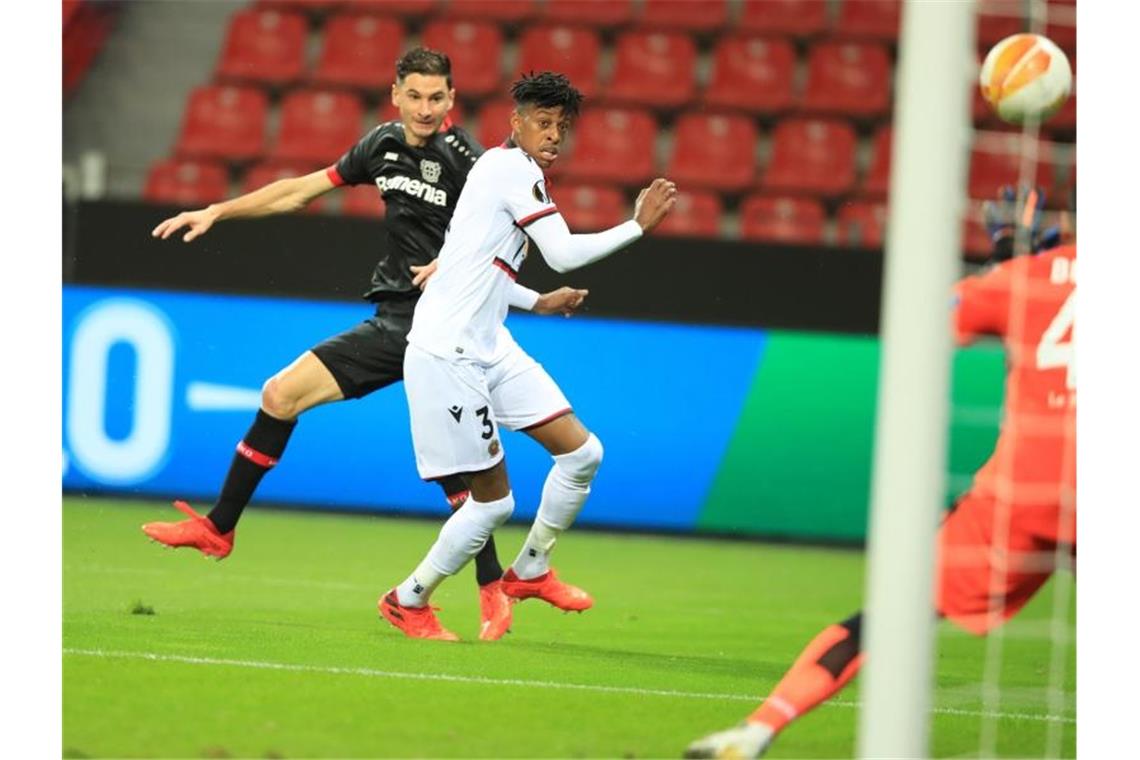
(456, 408)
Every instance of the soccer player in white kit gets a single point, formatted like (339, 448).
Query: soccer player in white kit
(465, 376)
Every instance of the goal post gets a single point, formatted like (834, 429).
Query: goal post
(923, 250)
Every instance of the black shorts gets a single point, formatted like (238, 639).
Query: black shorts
(370, 356)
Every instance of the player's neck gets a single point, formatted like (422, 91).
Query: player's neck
(414, 140)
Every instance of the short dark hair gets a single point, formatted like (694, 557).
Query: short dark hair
(422, 60)
(547, 90)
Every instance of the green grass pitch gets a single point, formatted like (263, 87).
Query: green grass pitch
(278, 650)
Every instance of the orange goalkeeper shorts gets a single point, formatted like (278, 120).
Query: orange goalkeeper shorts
(992, 559)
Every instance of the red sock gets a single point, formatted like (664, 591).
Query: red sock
(808, 682)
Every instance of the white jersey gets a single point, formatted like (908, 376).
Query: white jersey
(462, 310)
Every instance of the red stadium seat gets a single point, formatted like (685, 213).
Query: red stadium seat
(475, 49)
(359, 51)
(260, 175)
(781, 220)
(684, 15)
(869, 19)
(606, 14)
(612, 145)
(753, 74)
(861, 224)
(224, 122)
(877, 181)
(494, 123)
(811, 156)
(695, 214)
(653, 69)
(998, 19)
(713, 152)
(266, 47)
(796, 18)
(588, 208)
(361, 200)
(317, 126)
(186, 183)
(498, 11)
(389, 112)
(573, 51)
(997, 162)
(849, 78)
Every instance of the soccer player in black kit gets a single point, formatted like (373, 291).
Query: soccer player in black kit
(420, 164)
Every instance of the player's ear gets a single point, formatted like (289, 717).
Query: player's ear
(450, 98)
(516, 120)
(395, 94)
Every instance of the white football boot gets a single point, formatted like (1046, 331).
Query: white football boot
(744, 741)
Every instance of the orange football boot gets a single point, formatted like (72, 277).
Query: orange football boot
(415, 622)
(197, 532)
(495, 607)
(549, 589)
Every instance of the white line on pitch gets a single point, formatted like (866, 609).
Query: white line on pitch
(211, 397)
(369, 672)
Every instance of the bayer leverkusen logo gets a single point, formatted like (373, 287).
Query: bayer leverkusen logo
(429, 170)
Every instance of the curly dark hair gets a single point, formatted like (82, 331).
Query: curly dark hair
(422, 60)
(547, 90)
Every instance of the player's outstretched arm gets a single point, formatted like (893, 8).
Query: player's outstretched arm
(282, 196)
(564, 251)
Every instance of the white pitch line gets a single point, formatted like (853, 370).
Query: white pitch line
(372, 673)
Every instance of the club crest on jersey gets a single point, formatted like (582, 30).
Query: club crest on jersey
(430, 170)
(539, 192)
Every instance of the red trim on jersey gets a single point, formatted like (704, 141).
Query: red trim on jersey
(334, 176)
(551, 418)
(447, 123)
(506, 268)
(255, 456)
(536, 216)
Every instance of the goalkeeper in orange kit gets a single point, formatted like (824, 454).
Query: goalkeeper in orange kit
(1000, 542)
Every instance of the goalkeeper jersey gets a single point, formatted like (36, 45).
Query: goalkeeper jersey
(1029, 302)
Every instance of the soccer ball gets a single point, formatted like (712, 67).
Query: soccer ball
(1026, 76)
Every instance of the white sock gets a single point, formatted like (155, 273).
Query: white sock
(460, 539)
(563, 495)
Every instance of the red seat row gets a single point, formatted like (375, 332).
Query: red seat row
(655, 69)
(616, 145)
(877, 19)
(586, 207)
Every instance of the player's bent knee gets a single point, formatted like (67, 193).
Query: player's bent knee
(492, 514)
(277, 402)
(582, 463)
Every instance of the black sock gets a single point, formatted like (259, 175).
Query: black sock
(487, 567)
(259, 451)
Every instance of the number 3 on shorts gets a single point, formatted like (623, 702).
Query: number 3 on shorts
(488, 426)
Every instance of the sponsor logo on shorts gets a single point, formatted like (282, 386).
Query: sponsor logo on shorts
(456, 412)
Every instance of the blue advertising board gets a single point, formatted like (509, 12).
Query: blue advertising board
(159, 387)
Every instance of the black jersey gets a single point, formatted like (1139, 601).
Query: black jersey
(420, 187)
